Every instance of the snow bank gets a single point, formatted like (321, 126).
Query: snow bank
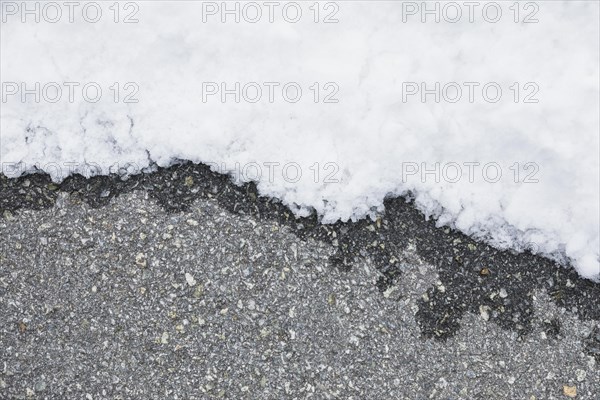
(492, 124)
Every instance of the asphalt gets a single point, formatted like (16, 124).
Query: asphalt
(180, 284)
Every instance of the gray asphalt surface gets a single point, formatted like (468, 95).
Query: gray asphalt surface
(180, 285)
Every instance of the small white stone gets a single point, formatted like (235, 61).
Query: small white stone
(580, 374)
(483, 311)
(192, 222)
(190, 279)
(388, 292)
(503, 293)
(140, 260)
(164, 339)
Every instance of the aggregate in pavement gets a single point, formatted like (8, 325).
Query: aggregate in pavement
(179, 284)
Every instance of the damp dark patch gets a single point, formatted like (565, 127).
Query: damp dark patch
(478, 277)
(475, 276)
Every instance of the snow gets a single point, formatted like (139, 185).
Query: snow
(377, 140)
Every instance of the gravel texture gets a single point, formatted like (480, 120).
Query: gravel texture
(179, 284)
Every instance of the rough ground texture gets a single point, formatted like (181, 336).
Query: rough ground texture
(178, 284)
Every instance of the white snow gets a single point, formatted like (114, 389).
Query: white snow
(376, 141)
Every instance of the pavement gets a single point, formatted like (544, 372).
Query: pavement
(178, 284)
